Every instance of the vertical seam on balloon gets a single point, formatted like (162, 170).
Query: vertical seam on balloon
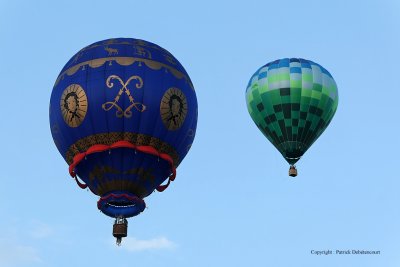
(154, 128)
(120, 182)
(309, 105)
(292, 142)
(138, 157)
(295, 142)
(304, 134)
(91, 124)
(258, 114)
(308, 136)
(332, 111)
(270, 101)
(104, 87)
(322, 83)
(281, 103)
(105, 66)
(298, 139)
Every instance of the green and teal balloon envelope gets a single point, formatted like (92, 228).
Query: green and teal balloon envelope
(292, 101)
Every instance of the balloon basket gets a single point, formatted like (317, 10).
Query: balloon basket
(120, 229)
(292, 171)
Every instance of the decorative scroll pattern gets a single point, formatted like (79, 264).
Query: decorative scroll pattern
(127, 112)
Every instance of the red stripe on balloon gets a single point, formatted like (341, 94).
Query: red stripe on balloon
(123, 144)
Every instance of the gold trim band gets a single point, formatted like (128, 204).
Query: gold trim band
(123, 61)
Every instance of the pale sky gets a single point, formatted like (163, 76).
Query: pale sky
(232, 203)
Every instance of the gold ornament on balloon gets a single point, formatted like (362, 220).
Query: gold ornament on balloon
(173, 108)
(74, 105)
(127, 113)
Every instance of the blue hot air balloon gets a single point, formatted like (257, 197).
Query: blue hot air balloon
(123, 114)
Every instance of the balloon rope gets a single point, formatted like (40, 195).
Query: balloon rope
(123, 144)
(80, 184)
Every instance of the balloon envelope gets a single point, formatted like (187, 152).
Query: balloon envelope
(123, 114)
(292, 101)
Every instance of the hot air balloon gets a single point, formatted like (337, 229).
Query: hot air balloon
(123, 114)
(292, 101)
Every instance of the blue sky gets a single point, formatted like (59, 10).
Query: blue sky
(232, 203)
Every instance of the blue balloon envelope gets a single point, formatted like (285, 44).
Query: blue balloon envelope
(123, 114)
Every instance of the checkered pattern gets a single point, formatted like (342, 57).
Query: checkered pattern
(292, 101)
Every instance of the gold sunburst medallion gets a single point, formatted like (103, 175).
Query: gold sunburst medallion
(74, 105)
(173, 108)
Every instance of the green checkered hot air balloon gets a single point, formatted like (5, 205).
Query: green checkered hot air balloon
(292, 101)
